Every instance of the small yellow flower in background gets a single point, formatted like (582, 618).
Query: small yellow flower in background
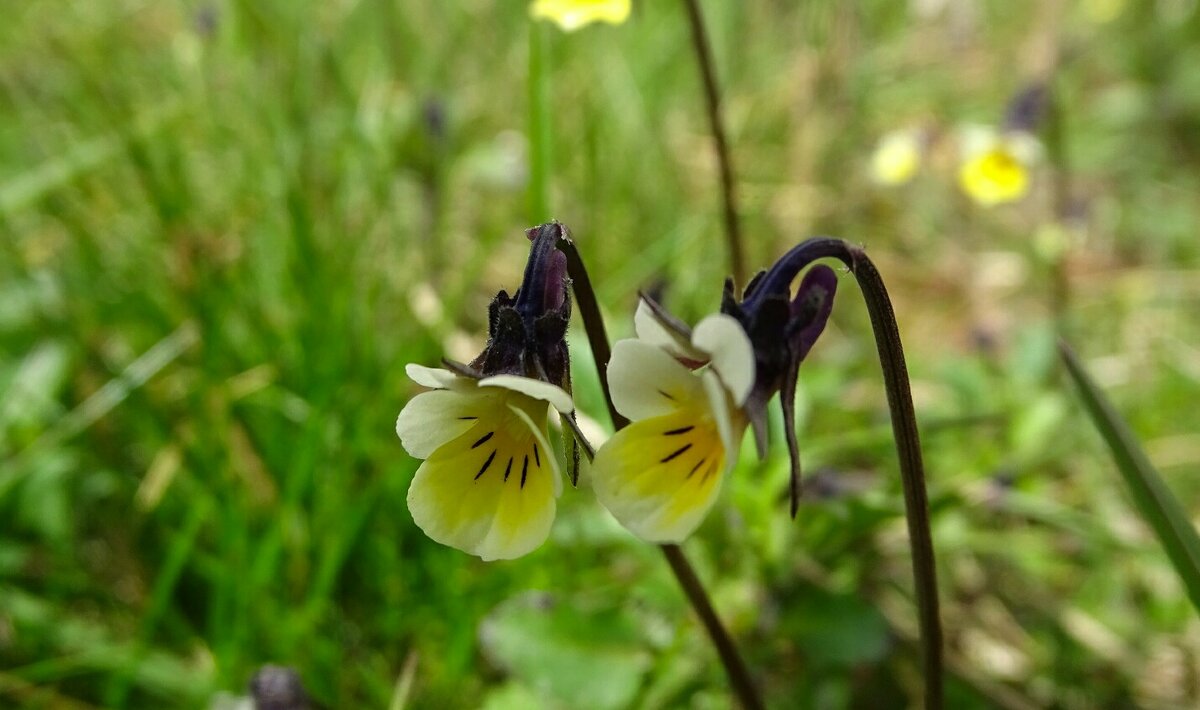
(490, 479)
(660, 475)
(1102, 12)
(897, 157)
(570, 15)
(997, 167)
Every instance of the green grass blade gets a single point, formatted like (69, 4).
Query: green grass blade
(539, 123)
(1159, 507)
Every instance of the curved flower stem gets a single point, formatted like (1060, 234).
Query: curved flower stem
(912, 468)
(593, 323)
(904, 431)
(733, 232)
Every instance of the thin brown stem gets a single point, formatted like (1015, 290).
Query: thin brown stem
(904, 432)
(593, 324)
(704, 59)
(912, 468)
(735, 667)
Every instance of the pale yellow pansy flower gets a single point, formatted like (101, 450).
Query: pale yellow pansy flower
(897, 157)
(490, 480)
(997, 167)
(570, 15)
(660, 475)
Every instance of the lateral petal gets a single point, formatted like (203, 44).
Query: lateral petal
(433, 377)
(646, 381)
(657, 328)
(433, 418)
(732, 354)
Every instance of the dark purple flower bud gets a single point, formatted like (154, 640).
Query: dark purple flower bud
(782, 328)
(527, 331)
(433, 114)
(1026, 110)
(278, 688)
(206, 20)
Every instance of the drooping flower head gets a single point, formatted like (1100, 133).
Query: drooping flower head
(570, 15)
(691, 394)
(490, 478)
(782, 328)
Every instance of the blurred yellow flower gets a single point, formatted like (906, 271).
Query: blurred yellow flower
(997, 168)
(897, 157)
(570, 15)
(1102, 12)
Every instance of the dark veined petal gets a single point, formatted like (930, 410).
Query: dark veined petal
(491, 490)
(660, 476)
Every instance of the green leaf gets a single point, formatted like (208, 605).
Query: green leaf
(838, 629)
(1155, 501)
(585, 658)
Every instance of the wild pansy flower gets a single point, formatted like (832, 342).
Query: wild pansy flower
(997, 165)
(570, 15)
(897, 157)
(683, 393)
(782, 328)
(692, 394)
(490, 478)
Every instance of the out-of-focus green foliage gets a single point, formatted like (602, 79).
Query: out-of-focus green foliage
(225, 226)
(1155, 501)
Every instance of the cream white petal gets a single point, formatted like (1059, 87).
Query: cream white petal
(433, 418)
(434, 377)
(730, 429)
(646, 381)
(975, 139)
(1024, 146)
(652, 330)
(555, 395)
(732, 355)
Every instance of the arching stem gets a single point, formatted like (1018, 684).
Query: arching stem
(904, 431)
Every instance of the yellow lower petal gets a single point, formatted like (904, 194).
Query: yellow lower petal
(488, 492)
(994, 177)
(660, 476)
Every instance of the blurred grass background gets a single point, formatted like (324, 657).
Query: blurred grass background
(226, 226)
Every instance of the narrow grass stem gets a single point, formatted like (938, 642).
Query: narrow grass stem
(735, 667)
(539, 124)
(1055, 133)
(593, 323)
(704, 59)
